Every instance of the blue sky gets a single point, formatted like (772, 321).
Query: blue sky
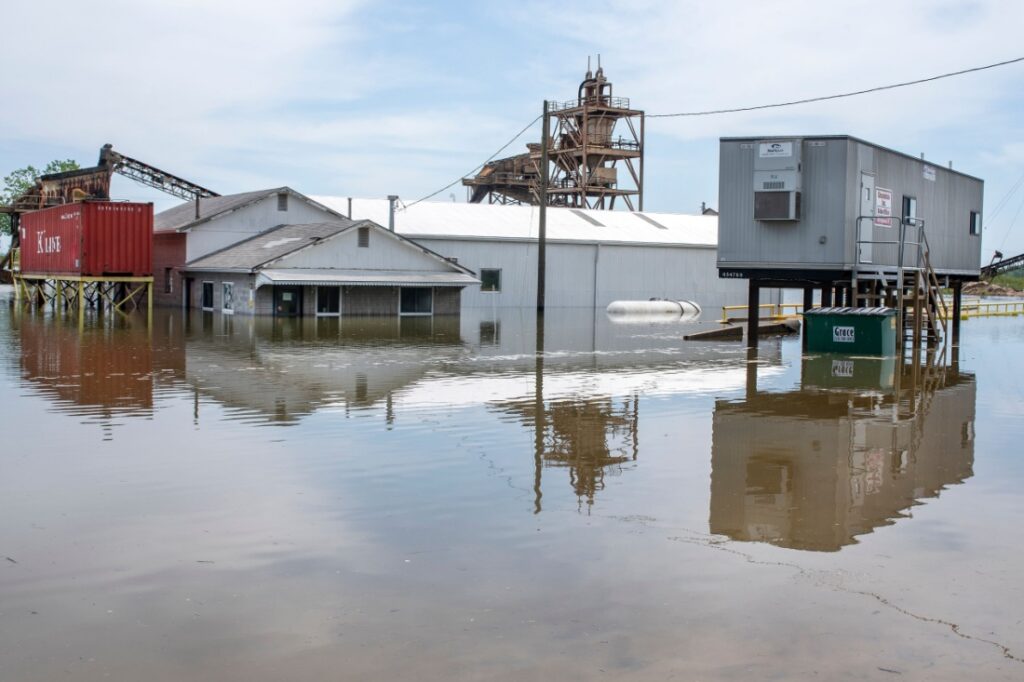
(366, 99)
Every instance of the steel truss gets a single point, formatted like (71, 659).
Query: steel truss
(70, 293)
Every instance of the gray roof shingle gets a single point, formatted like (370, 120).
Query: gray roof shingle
(269, 245)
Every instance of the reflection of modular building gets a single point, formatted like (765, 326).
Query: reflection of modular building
(812, 470)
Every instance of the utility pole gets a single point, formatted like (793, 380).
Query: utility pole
(542, 196)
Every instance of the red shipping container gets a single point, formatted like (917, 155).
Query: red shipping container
(92, 239)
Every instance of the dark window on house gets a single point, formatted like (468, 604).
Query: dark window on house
(282, 201)
(975, 223)
(364, 237)
(490, 279)
(909, 208)
(168, 280)
(207, 295)
(417, 301)
(328, 300)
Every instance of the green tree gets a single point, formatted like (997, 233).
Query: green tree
(22, 180)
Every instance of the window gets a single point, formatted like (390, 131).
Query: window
(490, 279)
(168, 280)
(207, 295)
(909, 209)
(282, 201)
(364, 237)
(228, 299)
(328, 300)
(975, 223)
(416, 301)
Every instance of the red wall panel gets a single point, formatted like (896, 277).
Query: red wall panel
(92, 239)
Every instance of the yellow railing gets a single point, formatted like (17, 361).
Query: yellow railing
(775, 310)
(969, 308)
(990, 309)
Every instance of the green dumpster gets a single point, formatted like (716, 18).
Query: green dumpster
(854, 331)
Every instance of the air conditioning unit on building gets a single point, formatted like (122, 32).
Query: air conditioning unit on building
(777, 180)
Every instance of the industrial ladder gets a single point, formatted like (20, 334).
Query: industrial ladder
(913, 290)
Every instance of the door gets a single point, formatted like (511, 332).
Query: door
(187, 292)
(865, 226)
(287, 301)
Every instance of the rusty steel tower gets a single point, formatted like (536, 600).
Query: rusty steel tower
(596, 156)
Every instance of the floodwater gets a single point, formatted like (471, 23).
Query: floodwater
(229, 499)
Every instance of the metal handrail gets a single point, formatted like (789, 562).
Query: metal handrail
(615, 102)
(922, 262)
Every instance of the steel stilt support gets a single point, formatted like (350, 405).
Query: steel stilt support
(753, 312)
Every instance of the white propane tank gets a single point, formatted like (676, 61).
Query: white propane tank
(654, 310)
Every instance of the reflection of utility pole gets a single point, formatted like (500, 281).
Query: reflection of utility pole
(751, 372)
(538, 414)
(634, 424)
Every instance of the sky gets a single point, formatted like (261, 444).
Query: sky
(367, 99)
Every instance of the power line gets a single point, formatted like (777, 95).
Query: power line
(478, 166)
(1013, 222)
(841, 95)
(1006, 198)
(713, 112)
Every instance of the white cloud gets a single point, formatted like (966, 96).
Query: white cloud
(348, 97)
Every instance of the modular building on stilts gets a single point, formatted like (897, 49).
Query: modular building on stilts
(866, 226)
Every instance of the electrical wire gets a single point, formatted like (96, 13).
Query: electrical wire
(1013, 222)
(713, 112)
(1003, 203)
(841, 95)
(478, 166)
(1006, 198)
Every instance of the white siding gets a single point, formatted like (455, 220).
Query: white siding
(622, 272)
(238, 225)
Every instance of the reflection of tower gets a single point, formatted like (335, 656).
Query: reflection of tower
(596, 155)
(589, 438)
(813, 469)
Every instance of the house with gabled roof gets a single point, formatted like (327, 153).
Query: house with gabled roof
(335, 268)
(194, 229)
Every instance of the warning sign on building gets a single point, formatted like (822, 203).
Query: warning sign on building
(883, 207)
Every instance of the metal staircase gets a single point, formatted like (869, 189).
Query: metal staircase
(910, 285)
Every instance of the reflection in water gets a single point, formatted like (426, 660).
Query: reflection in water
(398, 544)
(812, 469)
(102, 372)
(301, 364)
(588, 437)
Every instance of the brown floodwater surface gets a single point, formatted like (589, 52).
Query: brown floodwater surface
(233, 499)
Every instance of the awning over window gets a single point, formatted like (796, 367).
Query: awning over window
(365, 278)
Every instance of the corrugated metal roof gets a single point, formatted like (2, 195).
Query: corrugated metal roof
(328, 277)
(184, 215)
(268, 246)
(491, 221)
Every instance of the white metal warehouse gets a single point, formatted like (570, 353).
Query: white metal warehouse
(593, 257)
